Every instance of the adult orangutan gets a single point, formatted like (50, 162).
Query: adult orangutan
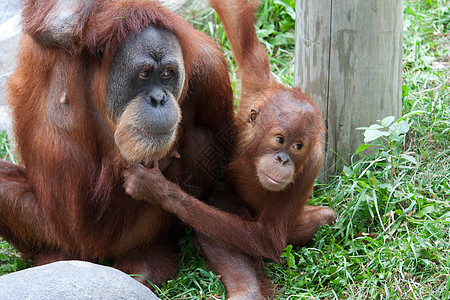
(99, 86)
(277, 157)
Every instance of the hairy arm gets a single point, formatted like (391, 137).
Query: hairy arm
(238, 19)
(252, 237)
(57, 23)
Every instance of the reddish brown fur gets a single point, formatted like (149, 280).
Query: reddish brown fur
(68, 201)
(258, 222)
(283, 214)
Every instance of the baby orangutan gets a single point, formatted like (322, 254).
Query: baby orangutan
(261, 208)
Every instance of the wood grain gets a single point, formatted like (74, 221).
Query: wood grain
(349, 60)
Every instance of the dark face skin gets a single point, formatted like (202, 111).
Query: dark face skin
(146, 80)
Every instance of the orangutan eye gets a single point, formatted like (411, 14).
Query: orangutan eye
(167, 74)
(279, 139)
(144, 74)
(298, 146)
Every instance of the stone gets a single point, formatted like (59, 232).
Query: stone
(72, 280)
(184, 6)
(10, 33)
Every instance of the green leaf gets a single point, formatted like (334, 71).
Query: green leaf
(416, 112)
(375, 126)
(398, 130)
(347, 171)
(291, 12)
(426, 210)
(280, 39)
(387, 121)
(405, 90)
(362, 147)
(403, 127)
(371, 135)
(409, 158)
(289, 257)
(286, 25)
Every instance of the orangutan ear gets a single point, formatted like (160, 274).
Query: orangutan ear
(254, 112)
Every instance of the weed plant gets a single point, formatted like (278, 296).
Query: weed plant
(391, 240)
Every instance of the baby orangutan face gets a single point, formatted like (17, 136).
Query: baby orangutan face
(285, 137)
(277, 168)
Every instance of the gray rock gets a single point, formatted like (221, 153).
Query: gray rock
(8, 9)
(72, 280)
(10, 33)
(184, 6)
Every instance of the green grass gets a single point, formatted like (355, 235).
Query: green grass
(392, 237)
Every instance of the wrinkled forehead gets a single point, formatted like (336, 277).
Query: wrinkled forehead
(152, 41)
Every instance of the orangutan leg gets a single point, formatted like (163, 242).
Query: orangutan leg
(308, 223)
(22, 222)
(241, 275)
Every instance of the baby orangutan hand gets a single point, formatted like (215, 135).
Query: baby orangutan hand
(144, 183)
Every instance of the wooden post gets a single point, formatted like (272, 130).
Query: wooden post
(348, 58)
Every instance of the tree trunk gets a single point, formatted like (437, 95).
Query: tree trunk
(348, 58)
